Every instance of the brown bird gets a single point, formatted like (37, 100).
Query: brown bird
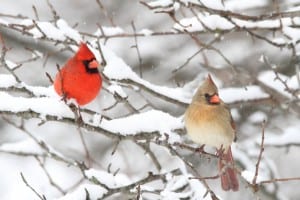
(208, 121)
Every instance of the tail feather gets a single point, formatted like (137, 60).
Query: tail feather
(229, 180)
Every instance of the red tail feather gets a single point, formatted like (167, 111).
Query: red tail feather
(229, 178)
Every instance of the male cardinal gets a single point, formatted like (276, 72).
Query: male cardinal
(79, 78)
(208, 121)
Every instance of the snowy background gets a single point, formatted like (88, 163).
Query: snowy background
(132, 144)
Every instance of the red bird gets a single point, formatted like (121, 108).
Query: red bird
(209, 122)
(79, 78)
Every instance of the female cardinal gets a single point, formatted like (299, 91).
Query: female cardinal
(209, 122)
(79, 78)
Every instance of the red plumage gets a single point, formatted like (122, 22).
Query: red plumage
(79, 78)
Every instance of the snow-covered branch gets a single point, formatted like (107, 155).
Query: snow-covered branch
(132, 142)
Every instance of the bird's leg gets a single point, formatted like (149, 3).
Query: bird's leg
(220, 152)
(64, 97)
(76, 110)
(79, 120)
(222, 159)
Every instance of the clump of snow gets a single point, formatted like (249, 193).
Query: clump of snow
(28, 146)
(164, 5)
(7, 80)
(10, 64)
(51, 31)
(116, 89)
(290, 136)
(174, 183)
(252, 92)
(258, 24)
(39, 29)
(236, 5)
(235, 114)
(294, 8)
(150, 121)
(257, 117)
(292, 33)
(5, 23)
(63, 30)
(37, 104)
(160, 3)
(279, 41)
(249, 175)
(67, 30)
(94, 191)
(41, 91)
(37, 53)
(109, 31)
(96, 119)
(269, 79)
(294, 82)
(108, 179)
(214, 4)
(215, 22)
(212, 22)
(146, 32)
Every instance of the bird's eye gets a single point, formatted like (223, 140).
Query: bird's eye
(86, 63)
(207, 96)
(90, 65)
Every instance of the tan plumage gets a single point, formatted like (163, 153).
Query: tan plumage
(208, 121)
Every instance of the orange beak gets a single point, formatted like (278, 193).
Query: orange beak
(214, 99)
(93, 64)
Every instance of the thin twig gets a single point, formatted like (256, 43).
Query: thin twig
(137, 50)
(35, 13)
(42, 197)
(279, 180)
(104, 10)
(260, 155)
(53, 11)
(4, 64)
(55, 185)
(147, 149)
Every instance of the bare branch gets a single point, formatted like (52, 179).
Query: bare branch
(42, 197)
(254, 183)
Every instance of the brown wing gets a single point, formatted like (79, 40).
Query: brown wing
(233, 126)
(232, 123)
